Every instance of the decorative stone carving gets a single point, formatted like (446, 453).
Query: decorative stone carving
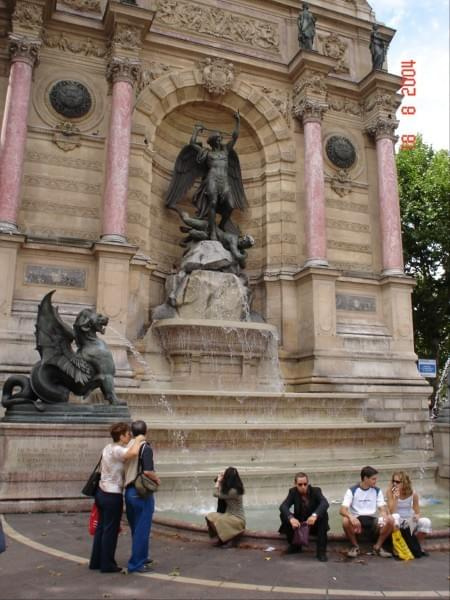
(123, 69)
(24, 49)
(83, 5)
(334, 47)
(345, 105)
(218, 75)
(66, 136)
(340, 151)
(281, 100)
(348, 226)
(214, 21)
(385, 102)
(65, 44)
(311, 110)
(126, 37)
(383, 128)
(28, 16)
(311, 81)
(71, 99)
(150, 73)
(341, 183)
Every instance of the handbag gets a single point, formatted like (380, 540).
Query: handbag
(93, 519)
(301, 535)
(400, 546)
(412, 542)
(143, 485)
(91, 486)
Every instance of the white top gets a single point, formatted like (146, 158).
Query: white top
(363, 502)
(113, 457)
(405, 507)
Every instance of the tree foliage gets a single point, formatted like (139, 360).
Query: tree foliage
(424, 186)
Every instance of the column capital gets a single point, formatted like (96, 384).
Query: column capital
(383, 128)
(24, 49)
(309, 110)
(123, 69)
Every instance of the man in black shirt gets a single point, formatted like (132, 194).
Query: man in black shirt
(310, 506)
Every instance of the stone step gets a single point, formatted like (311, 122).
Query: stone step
(268, 484)
(190, 407)
(260, 442)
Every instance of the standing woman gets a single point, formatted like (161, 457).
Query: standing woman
(403, 504)
(231, 523)
(109, 499)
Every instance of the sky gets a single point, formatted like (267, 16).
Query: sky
(423, 36)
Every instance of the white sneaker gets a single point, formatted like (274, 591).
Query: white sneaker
(353, 552)
(383, 553)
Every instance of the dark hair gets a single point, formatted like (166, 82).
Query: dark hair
(230, 480)
(368, 472)
(299, 475)
(138, 428)
(117, 430)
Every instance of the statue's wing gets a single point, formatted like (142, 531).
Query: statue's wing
(238, 198)
(54, 342)
(186, 170)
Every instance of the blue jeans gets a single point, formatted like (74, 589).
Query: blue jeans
(139, 515)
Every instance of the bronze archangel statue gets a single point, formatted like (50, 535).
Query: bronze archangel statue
(61, 370)
(221, 189)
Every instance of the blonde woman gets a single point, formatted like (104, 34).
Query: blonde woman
(403, 503)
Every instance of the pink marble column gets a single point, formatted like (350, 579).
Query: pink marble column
(123, 73)
(388, 200)
(13, 138)
(315, 223)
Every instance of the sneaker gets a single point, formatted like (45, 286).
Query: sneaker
(149, 561)
(381, 552)
(353, 552)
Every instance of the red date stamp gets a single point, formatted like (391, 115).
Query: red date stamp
(408, 89)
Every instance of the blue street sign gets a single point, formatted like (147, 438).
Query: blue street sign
(427, 367)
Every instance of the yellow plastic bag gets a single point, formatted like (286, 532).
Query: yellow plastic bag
(400, 546)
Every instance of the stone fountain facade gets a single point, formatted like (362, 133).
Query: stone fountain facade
(96, 103)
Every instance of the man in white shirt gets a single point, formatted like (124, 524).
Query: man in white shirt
(359, 512)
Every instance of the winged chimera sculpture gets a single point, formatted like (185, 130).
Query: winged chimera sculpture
(61, 370)
(220, 190)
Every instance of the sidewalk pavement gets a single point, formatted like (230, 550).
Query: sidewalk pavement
(47, 555)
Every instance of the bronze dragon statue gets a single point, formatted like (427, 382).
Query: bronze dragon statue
(62, 370)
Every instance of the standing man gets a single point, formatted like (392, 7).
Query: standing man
(359, 512)
(310, 506)
(139, 510)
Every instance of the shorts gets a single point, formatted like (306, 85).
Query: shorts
(369, 527)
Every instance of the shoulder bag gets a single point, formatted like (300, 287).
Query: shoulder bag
(301, 535)
(144, 485)
(91, 486)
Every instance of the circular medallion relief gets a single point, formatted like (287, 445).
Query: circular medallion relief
(340, 151)
(70, 99)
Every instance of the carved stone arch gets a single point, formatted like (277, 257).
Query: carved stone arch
(167, 110)
(177, 88)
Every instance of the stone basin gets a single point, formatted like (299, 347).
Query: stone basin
(213, 354)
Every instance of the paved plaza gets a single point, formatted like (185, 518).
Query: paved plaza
(47, 557)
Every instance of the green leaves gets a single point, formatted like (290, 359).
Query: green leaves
(424, 187)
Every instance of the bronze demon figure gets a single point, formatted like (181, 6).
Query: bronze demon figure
(61, 370)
